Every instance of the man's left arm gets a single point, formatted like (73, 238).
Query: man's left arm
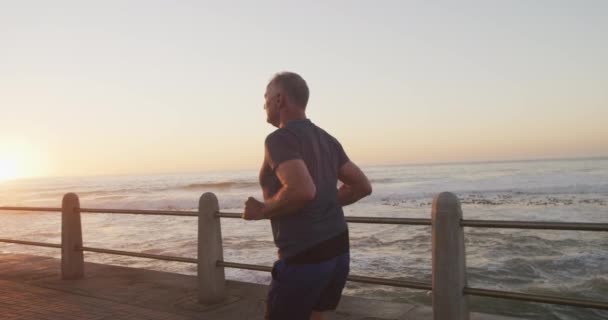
(296, 191)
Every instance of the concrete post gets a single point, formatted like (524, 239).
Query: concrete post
(72, 258)
(449, 266)
(211, 278)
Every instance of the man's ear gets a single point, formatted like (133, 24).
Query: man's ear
(281, 100)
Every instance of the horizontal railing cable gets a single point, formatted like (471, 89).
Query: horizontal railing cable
(403, 221)
(30, 209)
(371, 220)
(244, 266)
(31, 243)
(143, 212)
(140, 255)
(574, 226)
(229, 215)
(109, 211)
(536, 298)
(392, 282)
(353, 278)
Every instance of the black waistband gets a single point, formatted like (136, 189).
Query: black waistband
(325, 250)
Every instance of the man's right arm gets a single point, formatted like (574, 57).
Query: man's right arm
(355, 184)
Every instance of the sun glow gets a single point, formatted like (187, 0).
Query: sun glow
(20, 159)
(9, 169)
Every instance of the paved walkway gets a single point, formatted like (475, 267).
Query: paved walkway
(31, 288)
(22, 301)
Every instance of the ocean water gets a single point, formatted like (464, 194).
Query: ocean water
(564, 263)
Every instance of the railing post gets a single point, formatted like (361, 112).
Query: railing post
(211, 278)
(449, 266)
(72, 258)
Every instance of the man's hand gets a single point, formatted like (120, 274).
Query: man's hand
(356, 185)
(254, 209)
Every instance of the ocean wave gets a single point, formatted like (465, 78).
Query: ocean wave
(373, 242)
(218, 185)
(491, 198)
(115, 192)
(382, 180)
(248, 244)
(594, 288)
(137, 191)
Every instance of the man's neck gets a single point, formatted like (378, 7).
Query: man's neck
(295, 117)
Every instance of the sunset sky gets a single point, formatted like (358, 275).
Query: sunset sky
(129, 87)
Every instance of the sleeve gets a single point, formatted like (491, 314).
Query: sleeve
(342, 157)
(281, 146)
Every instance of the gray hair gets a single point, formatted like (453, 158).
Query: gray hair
(294, 86)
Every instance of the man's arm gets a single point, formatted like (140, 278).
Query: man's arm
(355, 184)
(297, 189)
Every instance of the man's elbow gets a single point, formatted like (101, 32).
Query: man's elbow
(366, 190)
(361, 191)
(307, 194)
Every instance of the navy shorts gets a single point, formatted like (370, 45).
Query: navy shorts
(298, 289)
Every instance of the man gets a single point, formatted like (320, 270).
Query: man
(299, 178)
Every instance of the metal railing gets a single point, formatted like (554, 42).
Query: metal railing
(452, 209)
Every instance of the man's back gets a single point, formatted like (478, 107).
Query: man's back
(322, 218)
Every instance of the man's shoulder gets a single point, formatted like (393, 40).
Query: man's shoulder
(276, 133)
(281, 133)
(282, 137)
(298, 133)
(326, 134)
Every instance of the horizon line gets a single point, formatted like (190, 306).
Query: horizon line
(365, 165)
(491, 161)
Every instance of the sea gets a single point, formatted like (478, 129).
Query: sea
(570, 264)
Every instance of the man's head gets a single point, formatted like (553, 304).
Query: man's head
(286, 96)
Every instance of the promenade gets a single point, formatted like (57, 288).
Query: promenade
(31, 288)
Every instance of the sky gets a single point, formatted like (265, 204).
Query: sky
(137, 87)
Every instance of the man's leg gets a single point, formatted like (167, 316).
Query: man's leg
(330, 297)
(295, 289)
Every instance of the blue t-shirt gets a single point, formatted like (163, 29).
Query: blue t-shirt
(322, 218)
